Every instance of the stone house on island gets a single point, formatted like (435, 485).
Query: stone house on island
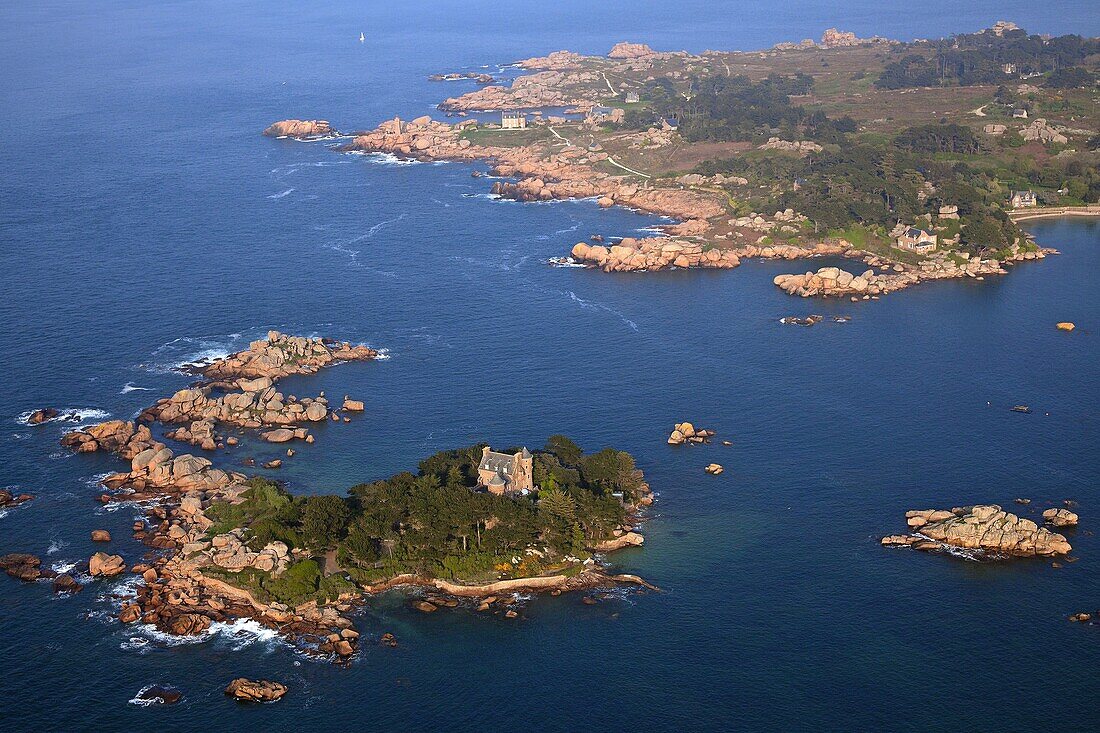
(513, 121)
(503, 473)
(916, 240)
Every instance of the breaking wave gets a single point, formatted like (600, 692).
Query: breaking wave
(179, 352)
(68, 414)
(277, 196)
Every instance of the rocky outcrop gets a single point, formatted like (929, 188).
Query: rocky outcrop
(229, 551)
(632, 255)
(624, 50)
(685, 432)
(8, 499)
(833, 38)
(626, 539)
(479, 77)
(557, 61)
(983, 528)
(802, 147)
(42, 415)
(154, 468)
(280, 355)
(894, 276)
(302, 129)
(103, 565)
(22, 566)
(714, 469)
(832, 281)
(1060, 518)
(549, 88)
(247, 690)
(101, 535)
(1042, 131)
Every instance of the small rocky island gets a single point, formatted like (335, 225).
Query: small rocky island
(469, 523)
(986, 530)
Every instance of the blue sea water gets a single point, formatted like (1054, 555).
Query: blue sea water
(145, 222)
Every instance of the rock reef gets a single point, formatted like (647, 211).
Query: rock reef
(986, 529)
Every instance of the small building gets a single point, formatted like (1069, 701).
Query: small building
(916, 240)
(632, 98)
(503, 473)
(1008, 68)
(513, 120)
(1023, 200)
(1019, 114)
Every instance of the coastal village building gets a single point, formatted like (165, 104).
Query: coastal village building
(1023, 200)
(502, 473)
(1008, 68)
(632, 98)
(917, 240)
(513, 120)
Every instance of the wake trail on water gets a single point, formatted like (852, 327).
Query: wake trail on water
(277, 196)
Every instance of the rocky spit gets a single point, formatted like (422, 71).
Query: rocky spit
(894, 276)
(986, 529)
(301, 129)
(176, 595)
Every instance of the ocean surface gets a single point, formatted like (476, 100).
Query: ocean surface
(144, 222)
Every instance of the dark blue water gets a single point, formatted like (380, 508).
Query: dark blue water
(144, 221)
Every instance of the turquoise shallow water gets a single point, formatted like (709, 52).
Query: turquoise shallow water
(144, 222)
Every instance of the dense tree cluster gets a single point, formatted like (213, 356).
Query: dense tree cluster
(980, 58)
(434, 523)
(735, 108)
(878, 185)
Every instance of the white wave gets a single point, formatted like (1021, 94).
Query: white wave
(383, 355)
(56, 545)
(376, 228)
(179, 352)
(131, 387)
(243, 632)
(62, 566)
(385, 159)
(588, 304)
(353, 254)
(68, 414)
(564, 262)
(3, 513)
(277, 196)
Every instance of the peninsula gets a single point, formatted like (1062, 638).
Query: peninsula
(471, 523)
(913, 160)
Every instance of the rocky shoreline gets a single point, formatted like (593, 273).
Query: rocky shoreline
(693, 241)
(184, 588)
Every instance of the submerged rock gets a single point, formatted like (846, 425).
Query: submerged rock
(157, 695)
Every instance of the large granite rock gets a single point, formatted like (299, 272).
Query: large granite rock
(300, 129)
(984, 528)
(247, 690)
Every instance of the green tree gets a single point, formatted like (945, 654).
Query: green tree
(324, 519)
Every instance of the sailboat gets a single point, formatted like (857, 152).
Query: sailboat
(362, 37)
